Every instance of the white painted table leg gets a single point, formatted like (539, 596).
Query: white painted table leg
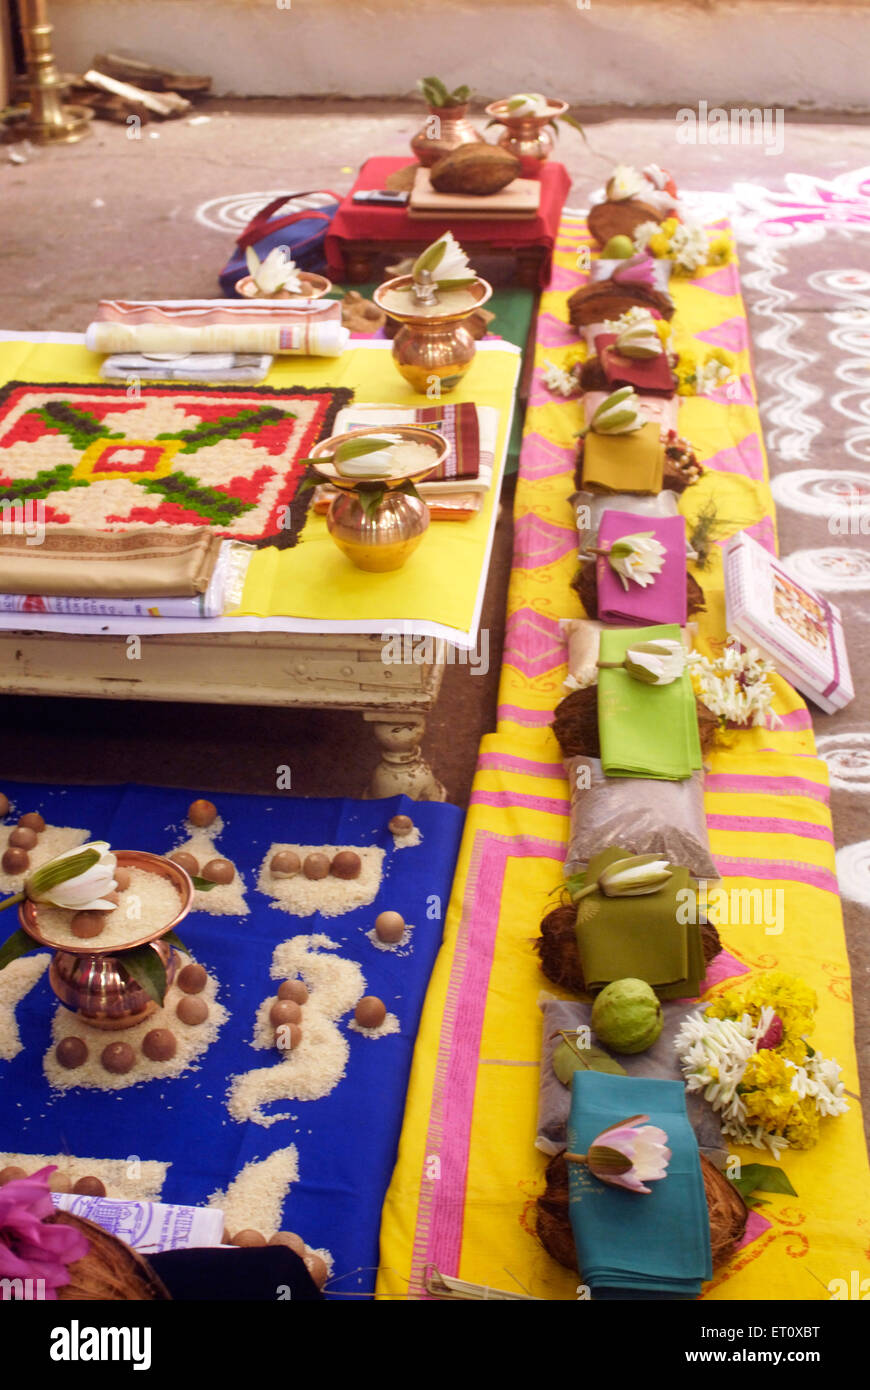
(402, 768)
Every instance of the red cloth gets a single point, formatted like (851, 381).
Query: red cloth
(650, 375)
(362, 222)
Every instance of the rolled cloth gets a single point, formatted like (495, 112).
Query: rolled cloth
(74, 561)
(301, 327)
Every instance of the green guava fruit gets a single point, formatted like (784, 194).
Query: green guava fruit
(618, 248)
(627, 1016)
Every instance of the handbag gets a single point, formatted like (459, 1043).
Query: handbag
(300, 229)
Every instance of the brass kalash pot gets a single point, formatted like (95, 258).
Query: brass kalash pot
(94, 983)
(382, 537)
(431, 350)
(528, 137)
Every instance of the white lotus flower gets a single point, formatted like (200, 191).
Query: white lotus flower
(277, 272)
(638, 558)
(659, 662)
(527, 104)
(78, 889)
(369, 456)
(447, 262)
(624, 182)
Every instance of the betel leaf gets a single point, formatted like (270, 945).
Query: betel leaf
(202, 885)
(144, 966)
(172, 939)
(357, 448)
(568, 1058)
(18, 944)
(762, 1177)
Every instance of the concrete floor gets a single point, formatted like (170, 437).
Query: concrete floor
(116, 216)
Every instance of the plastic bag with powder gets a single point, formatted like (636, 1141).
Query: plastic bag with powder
(583, 636)
(644, 818)
(589, 506)
(659, 1061)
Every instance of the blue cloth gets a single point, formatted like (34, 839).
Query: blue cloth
(347, 1140)
(630, 1244)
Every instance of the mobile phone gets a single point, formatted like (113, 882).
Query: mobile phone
(381, 197)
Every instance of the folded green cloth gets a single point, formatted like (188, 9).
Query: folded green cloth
(639, 938)
(632, 1245)
(645, 730)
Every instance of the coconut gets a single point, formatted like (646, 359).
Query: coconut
(477, 169)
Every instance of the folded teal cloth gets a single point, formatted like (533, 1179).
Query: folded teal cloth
(632, 1245)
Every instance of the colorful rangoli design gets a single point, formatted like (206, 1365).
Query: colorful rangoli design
(99, 456)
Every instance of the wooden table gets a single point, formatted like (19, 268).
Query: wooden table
(273, 669)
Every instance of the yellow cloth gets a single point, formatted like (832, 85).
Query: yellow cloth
(464, 1200)
(314, 580)
(624, 462)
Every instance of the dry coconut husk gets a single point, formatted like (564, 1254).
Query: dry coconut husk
(111, 1270)
(361, 315)
(585, 586)
(575, 724)
(602, 300)
(560, 959)
(620, 218)
(727, 1210)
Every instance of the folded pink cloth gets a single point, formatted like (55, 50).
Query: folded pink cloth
(662, 601)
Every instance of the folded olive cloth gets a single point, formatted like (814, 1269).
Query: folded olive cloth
(645, 730)
(642, 937)
(78, 562)
(624, 462)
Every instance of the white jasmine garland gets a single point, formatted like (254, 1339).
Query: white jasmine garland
(642, 234)
(734, 686)
(560, 381)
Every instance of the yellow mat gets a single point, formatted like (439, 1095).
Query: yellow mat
(443, 581)
(464, 1188)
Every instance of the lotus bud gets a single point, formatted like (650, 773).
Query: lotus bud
(78, 880)
(637, 270)
(656, 663)
(620, 413)
(366, 457)
(634, 877)
(640, 341)
(628, 1155)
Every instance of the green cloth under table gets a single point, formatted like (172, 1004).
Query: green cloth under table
(645, 730)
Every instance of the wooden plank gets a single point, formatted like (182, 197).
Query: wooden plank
(243, 669)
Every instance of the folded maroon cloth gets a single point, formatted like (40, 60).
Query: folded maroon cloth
(651, 375)
(662, 601)
(363, 222)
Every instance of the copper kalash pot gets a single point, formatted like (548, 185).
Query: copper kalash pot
(383, 537)
(528, 137)
(432, 350)
(94, 983)
(445, 129)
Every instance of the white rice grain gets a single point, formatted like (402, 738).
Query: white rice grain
(329, 896)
